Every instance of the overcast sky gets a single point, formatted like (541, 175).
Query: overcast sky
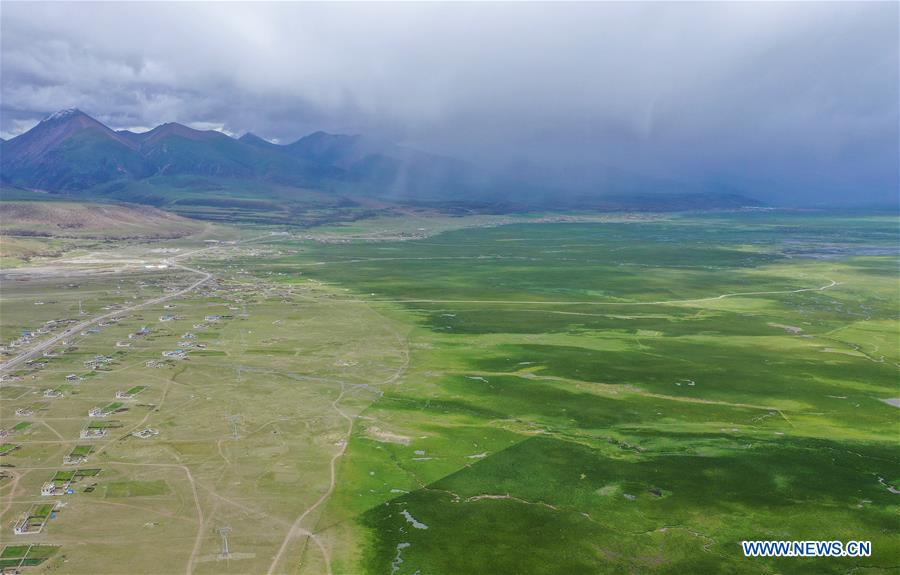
(790, 101)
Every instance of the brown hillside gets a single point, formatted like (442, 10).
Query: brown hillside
(82, 220)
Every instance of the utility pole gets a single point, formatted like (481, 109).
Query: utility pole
(234, 420)
(223, 533)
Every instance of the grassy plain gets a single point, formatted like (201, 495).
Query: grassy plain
(634, 395)
(624, 397)
(246, 423)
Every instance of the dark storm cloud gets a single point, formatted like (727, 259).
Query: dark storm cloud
(797, 101)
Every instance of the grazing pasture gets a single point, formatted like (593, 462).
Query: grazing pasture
(627, 396)
(619, 397)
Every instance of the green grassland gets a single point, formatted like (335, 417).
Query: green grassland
(15, 556)
(589, 398)
(230, 200)
(458, 396)
(16, 251)
(81, 450)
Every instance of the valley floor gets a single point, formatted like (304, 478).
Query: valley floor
(620, 396)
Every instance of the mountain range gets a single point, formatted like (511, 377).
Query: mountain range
(70, 151)
(73, 154)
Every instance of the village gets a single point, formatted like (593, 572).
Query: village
(105, 422)
(34, 520)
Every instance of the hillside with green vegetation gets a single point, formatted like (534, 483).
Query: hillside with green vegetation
(319, 178)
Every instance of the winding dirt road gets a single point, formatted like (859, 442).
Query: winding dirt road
(297, 527)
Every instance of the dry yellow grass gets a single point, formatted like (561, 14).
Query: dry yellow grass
(87, 220)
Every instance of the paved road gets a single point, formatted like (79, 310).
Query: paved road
(44, 345)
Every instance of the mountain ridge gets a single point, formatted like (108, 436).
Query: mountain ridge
(69, 152)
